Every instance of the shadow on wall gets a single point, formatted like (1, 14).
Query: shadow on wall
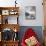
(37, 29)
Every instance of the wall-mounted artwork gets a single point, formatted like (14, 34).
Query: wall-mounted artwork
(5, 12)
(30, 12)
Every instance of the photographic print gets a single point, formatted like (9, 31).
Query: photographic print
(5, 12)
(30, 12)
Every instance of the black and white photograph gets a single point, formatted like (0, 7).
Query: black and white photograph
(30, 12)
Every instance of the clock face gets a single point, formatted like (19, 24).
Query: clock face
(5, 12)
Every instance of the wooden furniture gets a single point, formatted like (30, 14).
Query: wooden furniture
(44, 36)
(5, 12)
(44, 8)
(7, 23)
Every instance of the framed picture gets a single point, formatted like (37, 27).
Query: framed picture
(30, 12)
(6, 34)
(5, 12)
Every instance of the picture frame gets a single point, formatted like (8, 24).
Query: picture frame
(30, 14)
(5, 12)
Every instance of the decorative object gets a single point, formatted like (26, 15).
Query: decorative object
(31, 41)
(15, 37)
(30, 12)
(5, 12)
(15, 3)
(6, 21)
(15, 30)
(7, 34)
(13, 12)
(30, 38)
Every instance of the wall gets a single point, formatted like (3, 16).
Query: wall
(22, 4)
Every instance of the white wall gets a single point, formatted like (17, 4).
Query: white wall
(39, 13)
(22, 4)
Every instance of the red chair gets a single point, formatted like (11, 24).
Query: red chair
(29, 33)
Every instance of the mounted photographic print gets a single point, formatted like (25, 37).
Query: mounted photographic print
(30, 12)
(5, 12)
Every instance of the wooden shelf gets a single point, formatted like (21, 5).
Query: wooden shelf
(11, 26)
(5, 8)
(4, 13)
(10, 43)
